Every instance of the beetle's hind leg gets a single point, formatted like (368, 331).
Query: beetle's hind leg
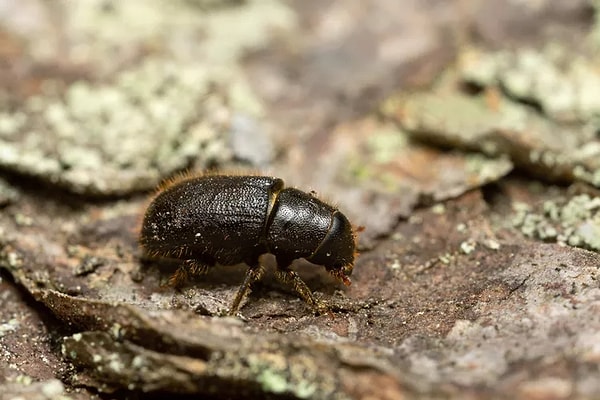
(253, 274)
(187, 270)
(289, 277)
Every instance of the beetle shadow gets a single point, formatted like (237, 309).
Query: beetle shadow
(163, 269)
(315, 276)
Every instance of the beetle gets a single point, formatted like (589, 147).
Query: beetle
(232, 219)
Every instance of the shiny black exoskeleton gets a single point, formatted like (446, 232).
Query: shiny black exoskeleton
(229, 219)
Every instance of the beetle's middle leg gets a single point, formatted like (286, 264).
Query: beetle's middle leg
(254, 273)
(289, 277)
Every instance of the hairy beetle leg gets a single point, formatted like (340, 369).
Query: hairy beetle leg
(287, 276)
(254, 274)
(186, 270)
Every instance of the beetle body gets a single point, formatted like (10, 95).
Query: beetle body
(229, 219)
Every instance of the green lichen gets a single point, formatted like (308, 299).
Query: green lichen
(371, 165)
(171, 112)
(468, 246)
(9, 326)
(272, 382)
(595, 32)
(478, 67)
(438, 209)
(53, 389)
(561, 143)
(492, 244)
(115, 138)
(193, 30)
(296, 375)
(574, 222)
(10, 259)
(592, 177)
(24, 380)
(385, 144)
(460, 118)
(499, 127)
(8, 195)
(485, 169)
(563, 84)
(11, 124)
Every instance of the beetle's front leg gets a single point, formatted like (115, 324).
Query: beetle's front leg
(289, 277)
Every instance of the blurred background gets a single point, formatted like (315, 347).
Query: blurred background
(462, 134)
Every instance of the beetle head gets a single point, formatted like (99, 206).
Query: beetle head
(337, 250)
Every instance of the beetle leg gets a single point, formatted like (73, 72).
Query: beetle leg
(185, 271)
(287, 276)
(196, 268)
(252, 275)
